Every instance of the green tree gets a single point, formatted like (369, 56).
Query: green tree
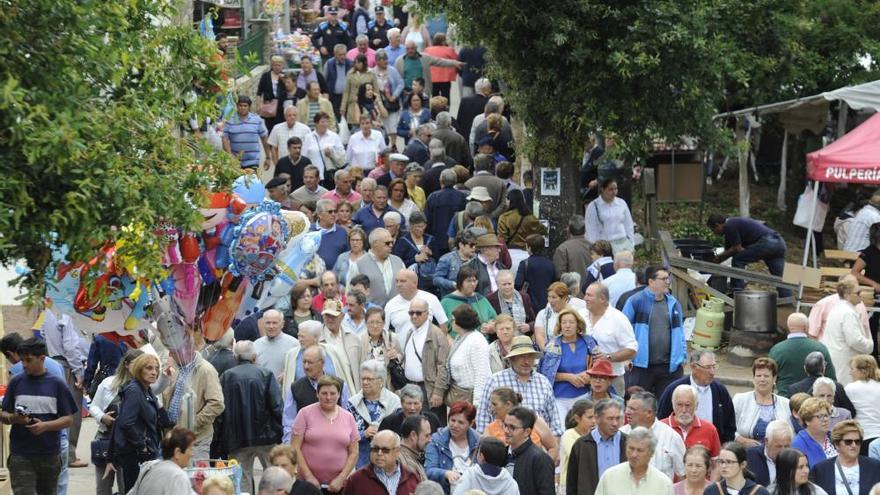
(93, 98)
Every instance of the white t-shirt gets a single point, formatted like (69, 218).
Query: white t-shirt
(852, 476)
(397, 314)
(414, 351)
(613, 332)
(281, 133)
(362, 152)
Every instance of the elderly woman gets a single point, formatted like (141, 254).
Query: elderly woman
(344, 212)
(377, 343)
(466, 294)
(565, 360)
(859, 473)
(450, 263)
(357, 241)
(392, 221)
(365, 145)
(325, 438)
(414, 173)
(137, 429)
(815, 439)
(469, 368)
(167, 475)
(357, 76)
(608, 218)
(756, 409)
(557, 299)
(864, 392)
(451, 449)
(398, 198)
(371, 405)
(272, 92)
(601, 375)
(505, 330)
(502, 400)
(843, 330)
(824, 388)
(298, 309)
(509, 301)
(323, 147)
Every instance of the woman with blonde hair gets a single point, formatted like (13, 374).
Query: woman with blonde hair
(815, 439)
(566, 359)
(557, 300)
(218, 485)
(864, 392)
(843, 330)
(505, 330)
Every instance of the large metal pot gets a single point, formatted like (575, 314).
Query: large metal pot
(754, 311)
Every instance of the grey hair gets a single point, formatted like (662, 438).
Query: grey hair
(374, 366)
(411, 391)
(444, 120)
(646, 398)
(289, 108)
(491, 107)
(275, 478)
(778, 427)
(577, 225)
(324, 204)
(448, 178)
(339, 46)
(498, 101)
(375, 233)
(814, 364)
(824, 380)
(426, 127)
(381, 54)
(686, 389)
(320, 350)
(361, 37)
(624, 258)
(436, 144)
(244, 350)
(603, 405)
(339, 173)
(420, 301)
(481, 84)
(642, 434)
(392, 31)
(311, 327)
(429, 487)
(697, 355)
(417, 217)
(392, 217)
(572, 280)
(276, 58)
(226, 341)
(473, 209)
(366, 181)
(602, 290)
(503, 272)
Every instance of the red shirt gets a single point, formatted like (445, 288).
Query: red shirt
(700, 433)
(318, 301)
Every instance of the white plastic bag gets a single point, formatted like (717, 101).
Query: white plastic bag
(805, 209)
(343, 131)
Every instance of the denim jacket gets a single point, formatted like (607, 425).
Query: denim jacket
(447, 270)
(549, 364)
(438, 456)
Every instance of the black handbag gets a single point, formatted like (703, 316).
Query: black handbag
(100, 450)
(398, 375)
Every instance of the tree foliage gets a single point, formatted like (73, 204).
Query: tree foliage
(93, 95)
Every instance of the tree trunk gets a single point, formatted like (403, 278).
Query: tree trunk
(558, 209)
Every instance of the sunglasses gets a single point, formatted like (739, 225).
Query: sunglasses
(417, 313)
(851, 441)
(383, 450)
(389, 243)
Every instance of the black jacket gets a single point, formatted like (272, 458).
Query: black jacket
(253, 407)
(394, 421)
(750, 488)
(138, 428)
(823, 474)
(840, 397)
(468, 109)
(757, 463)
(723, 414)
(221, 360)
(264, 90)
(533, 470)
(539, 272)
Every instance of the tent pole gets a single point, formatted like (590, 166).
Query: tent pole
(783, 172)
(743, 140)
(808, 244)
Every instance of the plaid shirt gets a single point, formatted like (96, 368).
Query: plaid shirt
(537, 394)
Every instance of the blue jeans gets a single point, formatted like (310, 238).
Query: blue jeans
(62, 476)
(771, 250)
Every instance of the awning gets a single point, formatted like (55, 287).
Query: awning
(853, 158)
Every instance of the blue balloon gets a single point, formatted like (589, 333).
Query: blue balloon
(249, 188)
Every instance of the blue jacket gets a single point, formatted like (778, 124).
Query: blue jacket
(438, 457)
(405, 123)
(330, 73)
(638, 310)
(406, 250)
(105, 352)
(446, 272)
(805, 443)
(138, 428)
(539, 272)
(823, 474)
(549, 364)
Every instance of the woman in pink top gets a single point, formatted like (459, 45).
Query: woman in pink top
(697, 463)
(325, 438)
(442, 77)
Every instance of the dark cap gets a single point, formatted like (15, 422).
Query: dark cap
(275, 182)
(486, 140)
(379, 9)
(332, 10)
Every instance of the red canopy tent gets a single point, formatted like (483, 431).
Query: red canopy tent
(853, 158)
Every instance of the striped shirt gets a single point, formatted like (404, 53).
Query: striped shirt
(244, 137)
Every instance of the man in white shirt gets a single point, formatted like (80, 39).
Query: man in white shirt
(282, 132)
(365, 145)
(857, 236)
(426, 353)
(397, 309)
(612, 331)
(624, 278)
(274, 344)
(641, 410)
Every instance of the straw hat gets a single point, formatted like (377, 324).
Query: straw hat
(522, 345)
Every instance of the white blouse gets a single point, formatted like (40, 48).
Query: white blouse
(609, 221)
(469, 364)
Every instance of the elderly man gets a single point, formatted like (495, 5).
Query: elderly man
(436, 164)
(454, 143)
(343, 190)
(367, 188)
(362, 47)
(397, 163)
(440, 210)
(220, 354)
(762, 458)
(311, 190)
(612, 331)
(251, 423)
(198, 379)
(246, 135)
(668, 458)
(574, 255)
(304, 391)
(272, 347)
(329, 290)
(383, 475)
(334, 239)
(398, 309)
(275, 480)
(395, 48)
(473, 105)
(415, 433)
(282, 132)
(596, 452)
(715, 404)
(310, 333)
(425, 356)
(345, 344)
(417, 147)
(312, 104)
(372, 215)
(624, 279)
(791, 352)
(413, 65)
(483, 177)
(638, 474)
(657, 320)
(486, 263)
(412, 398)
(509, 301)
(380, 266)
(336, 73)
(532, 467)
(536, 390)
(814, 367)
(686, 423)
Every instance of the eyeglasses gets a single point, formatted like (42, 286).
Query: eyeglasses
(727, 462)
(851, 441)
(330, 211)
(822, 417)
(706, 366)
(389, 243)
(417, 313)
(381, 450)
(662, 279)
(511, 427)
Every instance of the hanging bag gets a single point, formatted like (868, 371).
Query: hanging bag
(805, 208)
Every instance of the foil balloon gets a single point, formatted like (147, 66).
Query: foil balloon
(257, 241)
(172, 330)
(218, 318)
(249, 188)
(289, 264)
(187, 284)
